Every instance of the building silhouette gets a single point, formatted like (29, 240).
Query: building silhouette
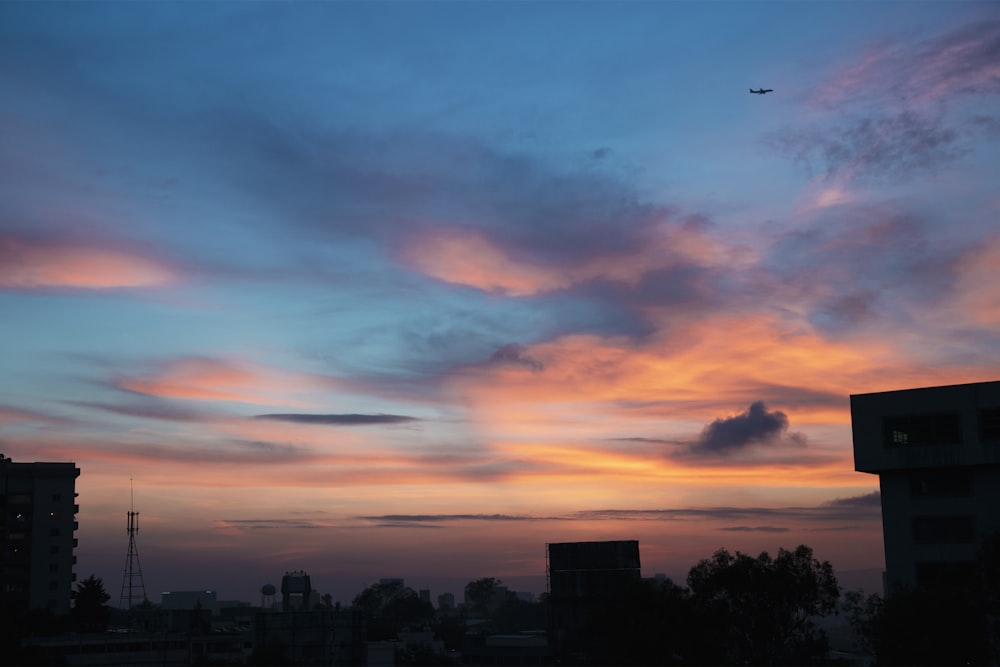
(296, 591)
(936, 451)
(37, 521)
(583, 577)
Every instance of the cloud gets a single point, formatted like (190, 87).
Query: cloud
(148, 410)
(241, 525)
(891, 145)
(865, 501)
(28, 264)
(755, 425)
(338, 419)
(406, 519)
(960, 62)
(901, 108)
(216, 379)
(897, 266)
(516, 355)
(756, 529)
(859, 508)
(12, 415)
(826, 512)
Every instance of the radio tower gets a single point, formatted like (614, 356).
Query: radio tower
(132, 586)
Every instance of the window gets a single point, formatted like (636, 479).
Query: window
(989, 424)
(944, 529)
(954, 575)
(930, 429)
(940, 482)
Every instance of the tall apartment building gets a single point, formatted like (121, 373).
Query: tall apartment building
(37, 520)
(936, 451)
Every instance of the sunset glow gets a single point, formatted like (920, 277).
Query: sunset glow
(411, 289)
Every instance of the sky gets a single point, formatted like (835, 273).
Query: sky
(411, 289)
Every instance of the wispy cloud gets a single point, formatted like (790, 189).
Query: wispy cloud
(27, 264)
(896, 110)
(852, 509)
(962, 61)
(337, 419)
(866, 501)
(517, 355)
(221, 379)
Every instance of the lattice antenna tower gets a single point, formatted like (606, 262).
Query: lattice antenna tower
(132, 586)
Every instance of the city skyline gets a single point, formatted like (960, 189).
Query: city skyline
(414, 289)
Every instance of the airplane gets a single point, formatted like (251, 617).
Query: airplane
(762, 91)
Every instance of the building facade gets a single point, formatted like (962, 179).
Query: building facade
(37, 523)
(936, 451)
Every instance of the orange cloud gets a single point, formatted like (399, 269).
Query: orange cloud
(207, 379)
(467, 257)
(978, 289)
(664, 391)
(33, 265)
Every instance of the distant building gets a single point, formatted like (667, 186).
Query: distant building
(583, 576)
(936, 451)
(296, 591)
(37, 520)
(425, 595)
(446, 601)
(189, 600)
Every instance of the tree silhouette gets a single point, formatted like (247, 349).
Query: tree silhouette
(482, 594)
(760, 610)
(90, 610)
(390, 607)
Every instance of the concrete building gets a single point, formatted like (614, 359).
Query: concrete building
(37, 521)
(936, 451)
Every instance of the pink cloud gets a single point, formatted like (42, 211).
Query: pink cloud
(36, 265)
(961, 61)
(209, 379)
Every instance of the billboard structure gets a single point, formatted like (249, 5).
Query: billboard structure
(582, 577)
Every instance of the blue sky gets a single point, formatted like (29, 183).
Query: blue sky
(342, 275)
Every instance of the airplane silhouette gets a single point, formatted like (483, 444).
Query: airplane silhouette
(762, 91)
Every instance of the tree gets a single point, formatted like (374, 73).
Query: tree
(391, 607)
(761, 610)
(645, 623)
(90, 610)
(482, 593)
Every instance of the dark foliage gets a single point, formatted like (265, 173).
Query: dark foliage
(944, 623)
(91, 612)
(391, 607)
(760, 610)
(482, 594)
